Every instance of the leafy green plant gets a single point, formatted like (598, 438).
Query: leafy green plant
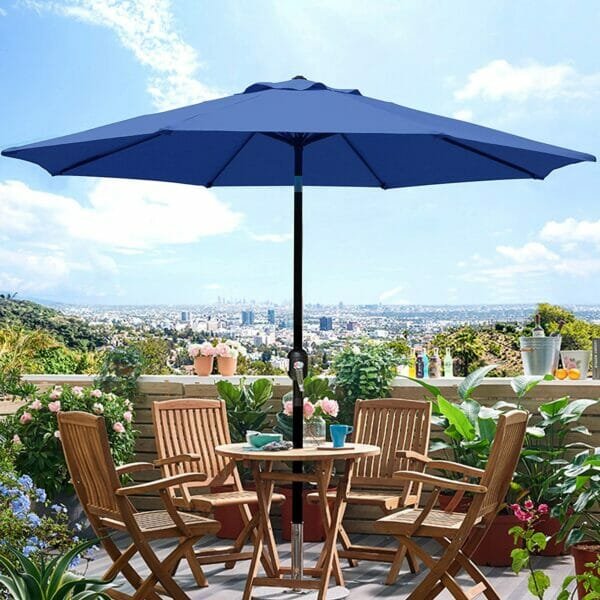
(577, 490)
(33, 431)
(246, 405)
(363, 371)
(468, 426)
(120, 370)
(25, 579)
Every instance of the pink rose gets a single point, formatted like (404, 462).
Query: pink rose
(528, 504)
(56, 393)
(309, 409)
(36, 405)
(119, 427)
(128, 416)
(329, 407)
(25, 418)
(207, 349)
(77, 391)
(54, 406)
(16, 440)
(288, 408)
(98, 408)
(543, 509)
(96, 393)
(222, 349)
(57, 434)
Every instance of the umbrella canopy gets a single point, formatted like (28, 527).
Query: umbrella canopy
(297, 132)
(348, 140)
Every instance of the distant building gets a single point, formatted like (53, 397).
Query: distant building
(325, 323)
(247, 317)
(185, 316)
(351, 326)
(271, 316)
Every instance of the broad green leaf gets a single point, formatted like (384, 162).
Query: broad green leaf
(537, 541)
(457, 418)
(538, 583)
(434, 391)
(554, 407)
(523, 384)
(536, 432)
(468, 385)
(520, 558)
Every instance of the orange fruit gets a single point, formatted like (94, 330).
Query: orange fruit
(574, 373)
(561, 373)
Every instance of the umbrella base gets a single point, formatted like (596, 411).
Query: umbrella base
(264, 593)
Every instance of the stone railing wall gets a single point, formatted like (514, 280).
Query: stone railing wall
(154, 388)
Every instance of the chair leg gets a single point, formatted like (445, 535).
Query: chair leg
(196, 568)
(396, 564)
(243, 536)
(347, 545)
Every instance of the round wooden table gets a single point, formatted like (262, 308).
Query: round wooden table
(265, 478)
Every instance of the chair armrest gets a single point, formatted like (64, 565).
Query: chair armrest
(134, 467)
(161, 484)
(447, 465)
(440, 482)
(176, 459)
(412, 455)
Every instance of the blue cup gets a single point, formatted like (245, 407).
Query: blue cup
(339, 433)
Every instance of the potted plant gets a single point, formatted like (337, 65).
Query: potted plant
(247, 405)
(119, 371)
(227, 353)
(33, 430)
(575, 361)
(579, 488)
(319, 410)
(204, 357)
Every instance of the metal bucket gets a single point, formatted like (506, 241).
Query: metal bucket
(540, 354)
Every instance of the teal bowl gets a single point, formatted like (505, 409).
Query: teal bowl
(258, 440)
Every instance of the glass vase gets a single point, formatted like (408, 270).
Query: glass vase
(315, 431)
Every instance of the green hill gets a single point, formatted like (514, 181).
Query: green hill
(71, 331)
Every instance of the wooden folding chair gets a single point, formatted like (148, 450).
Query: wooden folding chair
(459, 534)
(400, 428)
(107, 506)
(191, 428)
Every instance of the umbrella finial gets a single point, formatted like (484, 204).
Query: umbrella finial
(299, 77)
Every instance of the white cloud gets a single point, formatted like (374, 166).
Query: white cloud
(276, 238)
(2, 12)
(48, 238)
(570, 230)
(147, 29)
(122, 214)
(392, 293)
(529, 254)
(464, 114)
(500, 80)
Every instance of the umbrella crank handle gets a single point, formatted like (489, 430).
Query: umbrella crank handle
(299, 374)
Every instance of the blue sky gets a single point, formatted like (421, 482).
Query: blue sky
(73, 64)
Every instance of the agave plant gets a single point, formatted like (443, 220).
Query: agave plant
(25, 579)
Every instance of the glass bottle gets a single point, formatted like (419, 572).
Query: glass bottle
(435, 368)
(315, 432)
(538, 330)
(448, 364)
(419, 366)
(412, 364)
(425, 364)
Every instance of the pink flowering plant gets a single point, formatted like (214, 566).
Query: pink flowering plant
(32, 432)
(204, 349)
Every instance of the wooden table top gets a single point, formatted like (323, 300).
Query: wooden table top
(311, 453)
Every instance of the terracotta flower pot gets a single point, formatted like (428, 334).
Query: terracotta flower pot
(313, 522)
(229, 516)
(550, 526)
(463, 505)
(203, 365)
(582, 554)
(226, 365)
(496, 546)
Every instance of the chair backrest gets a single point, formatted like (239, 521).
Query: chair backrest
(392, 424)
(504, 456)
(194, 426)
(90, 463)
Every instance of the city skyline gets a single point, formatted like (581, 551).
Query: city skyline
(126, 242)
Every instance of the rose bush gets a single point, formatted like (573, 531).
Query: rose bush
(33, 432)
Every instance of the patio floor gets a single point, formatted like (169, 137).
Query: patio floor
(363, 581)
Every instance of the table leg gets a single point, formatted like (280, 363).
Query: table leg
(324, 478)
(330, 547)
(264, 491)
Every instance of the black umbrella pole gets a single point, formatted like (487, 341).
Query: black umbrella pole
(298, 369)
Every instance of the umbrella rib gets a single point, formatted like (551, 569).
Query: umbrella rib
(485, 154)
(363, 160)
(230, 160)
(87, 161)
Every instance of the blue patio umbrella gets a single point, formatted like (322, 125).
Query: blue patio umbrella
(298, 132)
